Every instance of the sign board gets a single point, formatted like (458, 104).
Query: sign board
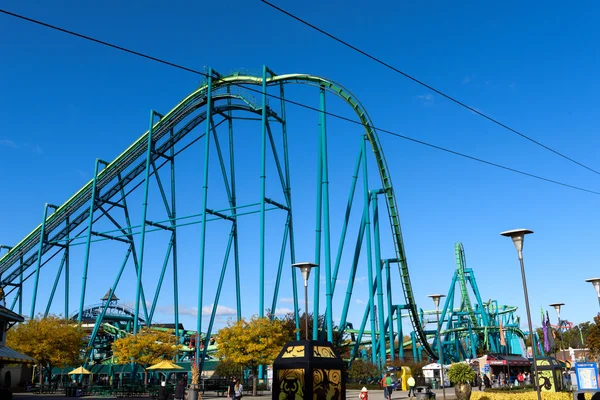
(587, 375)
(486, 368)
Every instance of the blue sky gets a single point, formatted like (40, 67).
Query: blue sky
(65, 102)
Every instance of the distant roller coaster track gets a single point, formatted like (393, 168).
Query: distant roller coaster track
(223, 87)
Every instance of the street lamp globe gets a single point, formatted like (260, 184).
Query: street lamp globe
(305, 268)
(436, 299)
(518, 237)
(557, 307)
(596, 283)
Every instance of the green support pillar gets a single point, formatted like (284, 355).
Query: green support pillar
(388, 290)
(173, 218)
(204, 206)
(39, 259)
(263, 177)
(138, 288)
(366, 213)
(326, 233)
(400, 333)
(380, 313)
(88, 243)
(288, 196)
(317, 268)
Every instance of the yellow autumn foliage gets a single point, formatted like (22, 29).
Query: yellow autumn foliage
(251, 343)
(146, 348)
(530, 395)
(51, 341)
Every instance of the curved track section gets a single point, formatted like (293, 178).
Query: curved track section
(222, 88)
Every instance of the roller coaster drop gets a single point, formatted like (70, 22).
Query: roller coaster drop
(100, 212)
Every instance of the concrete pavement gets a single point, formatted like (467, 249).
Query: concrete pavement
(350, 394)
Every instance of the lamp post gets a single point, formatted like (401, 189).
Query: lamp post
(305, 267)
(596, 283)
(518, 237)
(436, 300)
(557, 307)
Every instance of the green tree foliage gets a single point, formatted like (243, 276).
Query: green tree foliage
(252, 343)
(146, 348)
(51, 341)
(363, 370)
(341, 344)
(227, 368)
(460, 373)
(593, 339)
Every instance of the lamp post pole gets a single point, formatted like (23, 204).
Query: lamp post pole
(436, 300)
(305, 267)
(557, 307)
(518, 237)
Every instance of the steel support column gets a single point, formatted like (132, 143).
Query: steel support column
(204, 207)
(326, 233)
(140, 268)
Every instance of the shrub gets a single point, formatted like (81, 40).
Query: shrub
(460, 373)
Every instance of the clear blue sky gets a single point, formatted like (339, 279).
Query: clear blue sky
(65, 101)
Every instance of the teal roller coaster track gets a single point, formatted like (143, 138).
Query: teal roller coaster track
(208, 117)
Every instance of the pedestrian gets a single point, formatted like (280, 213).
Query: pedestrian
(389, 384)
(162, 391)
(180, 390)
(238, 390)
(479, 381)
(486, 381)
(411, 386)
(231, 388)
(364, 394)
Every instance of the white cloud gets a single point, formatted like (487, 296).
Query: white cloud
(8, 143)
(35, 148)
(221, 310)
(426, 97)
(283, 311)
(288, 300)
(359, 301)
(360, 279)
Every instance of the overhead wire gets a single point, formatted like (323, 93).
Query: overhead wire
(428, 86)
(184, 68)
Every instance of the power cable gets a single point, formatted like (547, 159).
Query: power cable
(178, 66)
(420, 82)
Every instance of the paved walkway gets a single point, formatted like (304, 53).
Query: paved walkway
(350, 394)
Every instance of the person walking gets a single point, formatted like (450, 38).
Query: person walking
(162, 391)
(411, 386)
(389, 385)
(231, 388)
(180, 390)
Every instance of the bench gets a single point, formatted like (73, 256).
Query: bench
(221, 392)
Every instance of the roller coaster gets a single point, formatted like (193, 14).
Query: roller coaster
(206, 132)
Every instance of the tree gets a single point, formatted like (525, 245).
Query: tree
(146, 348)
(228, 368)
(251, 343)
(342, 345)
(593, 338)
(51, 341)
(363, 370)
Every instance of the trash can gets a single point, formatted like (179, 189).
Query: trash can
(435, 384)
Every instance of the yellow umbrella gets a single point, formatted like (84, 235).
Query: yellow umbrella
(164, 365)
(79, 371)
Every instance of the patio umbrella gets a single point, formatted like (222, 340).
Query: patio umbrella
(164, 365)
(80, 371)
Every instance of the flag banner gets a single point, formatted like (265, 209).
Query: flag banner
(545, 329)
(551, 341)
(502, 341)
